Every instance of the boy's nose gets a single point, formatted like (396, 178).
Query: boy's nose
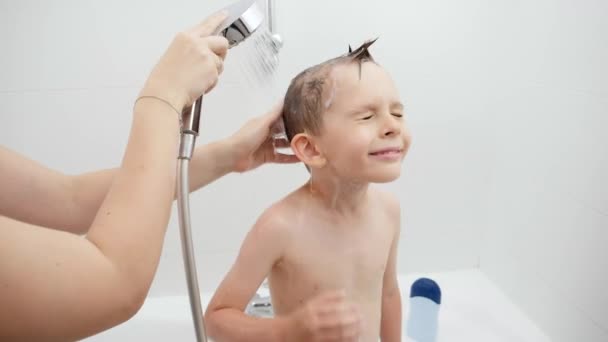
(392, 126)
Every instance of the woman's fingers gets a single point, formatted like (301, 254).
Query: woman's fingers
(210, 25)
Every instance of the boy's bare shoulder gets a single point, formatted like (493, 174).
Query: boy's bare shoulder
(391, 205)
(278, 218)
(388, 201)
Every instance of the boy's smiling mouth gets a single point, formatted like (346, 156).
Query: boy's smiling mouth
(387, 150)
(388, 153)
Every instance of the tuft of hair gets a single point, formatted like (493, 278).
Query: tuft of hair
(304, 100)
(361, 54)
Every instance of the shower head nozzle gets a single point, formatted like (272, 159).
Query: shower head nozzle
(245, 25)
(244, 18)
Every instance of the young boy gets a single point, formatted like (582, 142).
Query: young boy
(329, 249)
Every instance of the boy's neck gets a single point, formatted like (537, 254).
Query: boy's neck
(344, 197)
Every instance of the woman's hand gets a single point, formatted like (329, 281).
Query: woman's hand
(252, 145)
(190, 66)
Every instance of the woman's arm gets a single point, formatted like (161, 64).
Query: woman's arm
(56, 286)
(40, 196)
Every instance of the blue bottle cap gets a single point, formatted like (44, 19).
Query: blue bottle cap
(427, 288)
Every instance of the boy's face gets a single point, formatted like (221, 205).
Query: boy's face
(364, 136)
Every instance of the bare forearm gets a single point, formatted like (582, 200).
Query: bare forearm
(72, 202)
(35, 194)
(88, 192)
(390, 330)
(130, 224)
(208, 163)
(231, 325)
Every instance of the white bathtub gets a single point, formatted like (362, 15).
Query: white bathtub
(472, 309)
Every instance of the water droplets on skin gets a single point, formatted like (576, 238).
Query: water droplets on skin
(340, 189)
(281, 149)
(280, 142)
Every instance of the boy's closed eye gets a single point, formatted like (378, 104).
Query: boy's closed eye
(368, 116)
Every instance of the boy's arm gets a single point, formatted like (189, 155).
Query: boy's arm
(225, 317)
(390, 329)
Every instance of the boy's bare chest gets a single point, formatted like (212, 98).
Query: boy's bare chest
(329, 257)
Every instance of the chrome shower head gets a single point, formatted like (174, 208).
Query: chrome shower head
(244, 18)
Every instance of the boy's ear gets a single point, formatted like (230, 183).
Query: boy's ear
(304, 147)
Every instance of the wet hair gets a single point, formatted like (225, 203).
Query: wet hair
(305, 97)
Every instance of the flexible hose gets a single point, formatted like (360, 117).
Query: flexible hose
(183, 206)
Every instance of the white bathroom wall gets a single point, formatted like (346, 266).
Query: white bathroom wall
(547, 94)
(70, 70)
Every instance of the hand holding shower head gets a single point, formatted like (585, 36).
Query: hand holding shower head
(244, 18)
